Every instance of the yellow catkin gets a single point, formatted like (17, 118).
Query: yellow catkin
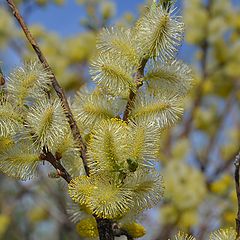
(223, 234)
(5, 143)
(136, 230)
(87, 228)
(86, 209)
(119, 121)
(4, 223)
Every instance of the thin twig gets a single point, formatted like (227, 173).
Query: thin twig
(73, 125)
(237, 166)
(104, 225)
(2, 79)
(61, 171)
(132, 96)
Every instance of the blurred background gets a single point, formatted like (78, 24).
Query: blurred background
(196, 156)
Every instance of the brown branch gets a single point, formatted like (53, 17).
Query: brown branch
(104, 225)
(225, 166)
(132, 96)
(55, 84)
(2, 79)
(61, 171)
(105, 229)
(237, 166)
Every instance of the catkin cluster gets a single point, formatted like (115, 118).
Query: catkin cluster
(140, 88)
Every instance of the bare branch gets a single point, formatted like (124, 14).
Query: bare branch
(132, 96)
(2, 79)
(237, 166)
(61, 171)
(105, 229)
(104, 225)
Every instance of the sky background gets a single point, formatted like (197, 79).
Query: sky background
(65, 21)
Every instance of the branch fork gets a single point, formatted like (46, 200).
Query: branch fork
(105, 226)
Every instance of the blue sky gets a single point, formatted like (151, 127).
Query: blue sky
(65, 20)
(69, 15)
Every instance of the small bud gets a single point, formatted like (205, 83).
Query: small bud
(58, 156)
(2, 80)
(134, 229)
(53, 175)
(132, 165)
